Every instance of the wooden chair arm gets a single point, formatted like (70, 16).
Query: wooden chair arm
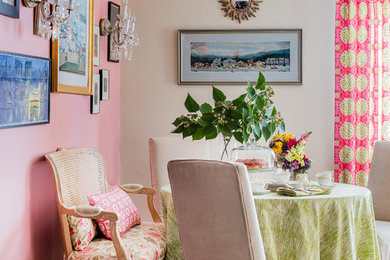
(97, 213)
(89, 212)
(150, 192)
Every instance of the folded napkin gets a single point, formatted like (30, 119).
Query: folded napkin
(298, 192)
(273, 186)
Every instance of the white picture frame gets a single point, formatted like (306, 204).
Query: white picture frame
(104, 85)
(96, 46)
(234, 57)
(95, 98)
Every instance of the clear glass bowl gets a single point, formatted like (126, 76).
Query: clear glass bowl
(259, 160)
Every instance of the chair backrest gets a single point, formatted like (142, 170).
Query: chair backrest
(215, 210)
(379, 180)
(78, 172)
(164, 149)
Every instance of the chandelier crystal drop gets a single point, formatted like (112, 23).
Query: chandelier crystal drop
(52, 17)
(123, 33)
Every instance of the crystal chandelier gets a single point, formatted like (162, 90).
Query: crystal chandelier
(50, 14)
(123, 33)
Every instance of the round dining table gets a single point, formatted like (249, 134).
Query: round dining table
(339, 225)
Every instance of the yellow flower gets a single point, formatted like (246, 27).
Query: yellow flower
(278, 147)
(277, 150)
(286, 137)
(277, 137)
(278, 144)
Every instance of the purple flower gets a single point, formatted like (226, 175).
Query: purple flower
(285, 148)
(295, 165)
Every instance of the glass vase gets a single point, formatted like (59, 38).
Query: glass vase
(226, 145)
(301, 176)
(280, 159)
(281, 175)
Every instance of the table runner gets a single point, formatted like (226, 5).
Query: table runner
(339, 225)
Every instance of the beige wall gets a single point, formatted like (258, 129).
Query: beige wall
(151, 99)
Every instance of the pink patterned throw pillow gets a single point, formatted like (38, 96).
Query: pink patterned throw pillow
(82, 231)
(118, 201)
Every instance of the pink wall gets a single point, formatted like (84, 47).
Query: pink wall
(29, 222)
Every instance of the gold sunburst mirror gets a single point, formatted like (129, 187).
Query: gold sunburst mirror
(240, 9)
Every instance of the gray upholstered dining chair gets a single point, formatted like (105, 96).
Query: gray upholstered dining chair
(164, 149)
(379, 184)
(215, 210)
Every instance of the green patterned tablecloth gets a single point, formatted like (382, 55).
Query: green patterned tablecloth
(339, 225)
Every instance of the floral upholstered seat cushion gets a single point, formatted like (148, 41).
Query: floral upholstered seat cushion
(82, 231)
(142, 242)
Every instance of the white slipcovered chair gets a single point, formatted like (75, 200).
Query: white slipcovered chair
(164, 149)
(215, 210)
(79, 172)
(379, 184)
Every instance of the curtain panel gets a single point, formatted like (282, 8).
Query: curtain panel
(362, 112)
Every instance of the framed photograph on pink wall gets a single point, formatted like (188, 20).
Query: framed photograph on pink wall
(72, 57)
(113, 12)
(231, 57)
(24, 90)
(95, 98)
(104, 84)
(96, 46)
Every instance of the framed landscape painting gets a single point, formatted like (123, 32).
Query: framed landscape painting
(236, 56)
(72, 57)
(24, 90)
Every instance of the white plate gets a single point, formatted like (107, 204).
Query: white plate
(258, 189)
(328, 185)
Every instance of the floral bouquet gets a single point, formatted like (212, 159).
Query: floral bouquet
(296, 159)
(282, 143)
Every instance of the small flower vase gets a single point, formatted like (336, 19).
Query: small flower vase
(300, 175)
(281, 174)
(280, 159)
(225, 148)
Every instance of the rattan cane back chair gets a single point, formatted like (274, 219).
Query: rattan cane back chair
(79, 172)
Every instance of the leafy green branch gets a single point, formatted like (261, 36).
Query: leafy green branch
(260, 116)
(252, 114)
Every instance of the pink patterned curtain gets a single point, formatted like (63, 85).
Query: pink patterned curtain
(362, 100)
